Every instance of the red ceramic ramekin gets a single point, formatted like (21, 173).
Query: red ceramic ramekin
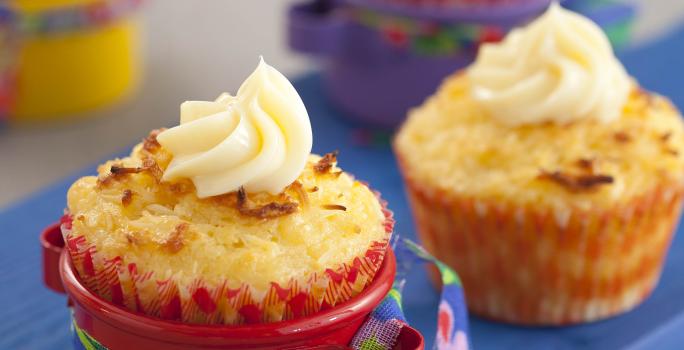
(117, 328)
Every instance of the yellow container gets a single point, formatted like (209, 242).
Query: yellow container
(69, 71)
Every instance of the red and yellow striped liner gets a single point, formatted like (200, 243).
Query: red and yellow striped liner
(520, 265)
(124, 284)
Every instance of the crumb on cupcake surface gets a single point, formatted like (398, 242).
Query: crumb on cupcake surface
(323, 219)
(452, 144)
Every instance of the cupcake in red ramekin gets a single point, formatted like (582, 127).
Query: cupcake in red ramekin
(546, 176)
(228, 218)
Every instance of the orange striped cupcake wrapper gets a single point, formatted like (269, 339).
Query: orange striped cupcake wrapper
(126, 285)
(525, 265)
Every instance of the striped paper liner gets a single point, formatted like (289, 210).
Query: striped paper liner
(124, 284)
(524, 265)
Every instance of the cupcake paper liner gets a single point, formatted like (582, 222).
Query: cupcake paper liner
(124, 284)
(528, 265)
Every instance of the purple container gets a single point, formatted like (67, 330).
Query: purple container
(383, 58)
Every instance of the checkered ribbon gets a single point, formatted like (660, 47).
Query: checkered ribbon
(383, 327)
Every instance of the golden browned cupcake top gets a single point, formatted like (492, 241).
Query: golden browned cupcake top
(323, 219)
(452, 144)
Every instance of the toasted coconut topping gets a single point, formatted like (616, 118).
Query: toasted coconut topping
(150, 143)
(586, 164)
(326, 163)
(267, 211)
(313, 189)
(174, 242)
(299, 189)
(117, 171)
(666, 136)
(126, 197)
(180, 187)
(149, 164)
(672, 152)
(622, 137)
(120, 170)
(576, 183)
(334, 207)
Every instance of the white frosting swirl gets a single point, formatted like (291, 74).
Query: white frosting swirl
(260, 138)
(559, 68)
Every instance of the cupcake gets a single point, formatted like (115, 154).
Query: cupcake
(227, 218)
(546, 176)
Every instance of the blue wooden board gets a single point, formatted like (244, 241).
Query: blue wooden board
(32, 317)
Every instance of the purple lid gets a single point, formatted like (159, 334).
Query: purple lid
(507, 12)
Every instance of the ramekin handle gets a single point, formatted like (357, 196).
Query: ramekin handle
(52, 245)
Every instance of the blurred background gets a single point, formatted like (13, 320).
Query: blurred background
(188, 51)
(82, 80)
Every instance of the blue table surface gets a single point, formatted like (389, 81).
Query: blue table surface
(31, 317)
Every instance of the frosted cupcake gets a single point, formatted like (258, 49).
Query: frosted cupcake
(227, 218)
(546, 176)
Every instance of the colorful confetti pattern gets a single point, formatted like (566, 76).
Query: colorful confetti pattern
(66, 18)
(439, 39)
(429, 38)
